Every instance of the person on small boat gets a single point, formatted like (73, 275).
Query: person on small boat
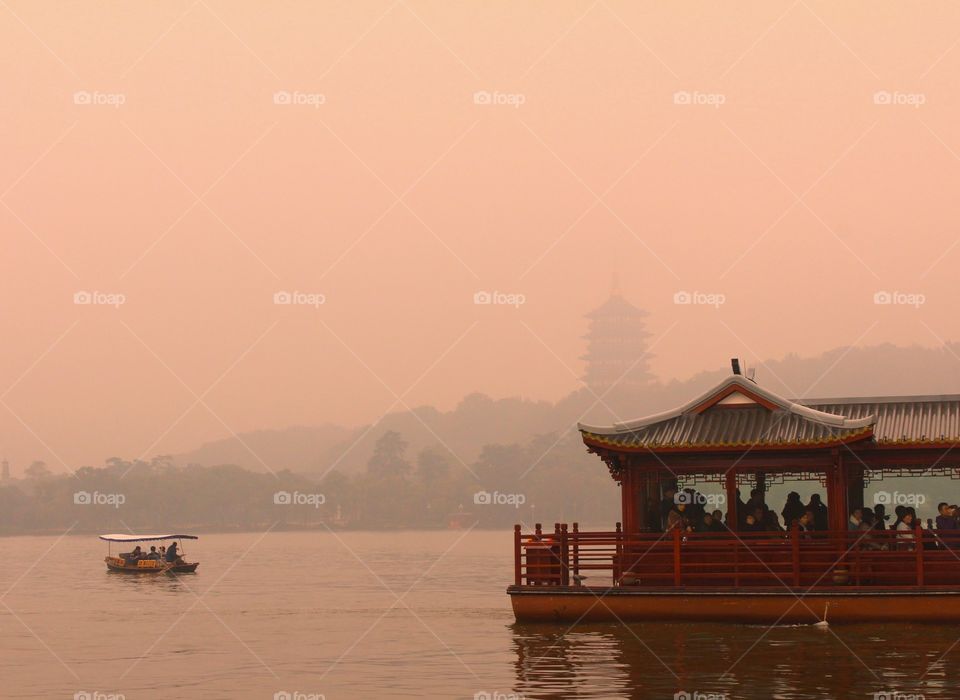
(154, 554)
(135, 555)
(172, 555)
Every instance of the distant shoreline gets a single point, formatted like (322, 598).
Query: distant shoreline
(242, 530)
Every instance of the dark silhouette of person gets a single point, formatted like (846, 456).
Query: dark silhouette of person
(820, 513)
(792, 509)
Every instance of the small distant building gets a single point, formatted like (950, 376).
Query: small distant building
(617, 342)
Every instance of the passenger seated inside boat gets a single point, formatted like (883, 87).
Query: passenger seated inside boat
(154, 554)
(133, 556)
(172, 555)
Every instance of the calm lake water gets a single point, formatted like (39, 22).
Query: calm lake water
(412, 614)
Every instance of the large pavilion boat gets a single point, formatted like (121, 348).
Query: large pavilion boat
(741, 435)
(132, 563)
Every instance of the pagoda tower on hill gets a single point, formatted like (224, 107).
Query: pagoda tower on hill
(617, 340)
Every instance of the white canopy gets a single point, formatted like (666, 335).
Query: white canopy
(146, 538)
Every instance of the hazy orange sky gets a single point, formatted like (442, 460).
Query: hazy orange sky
(810, 160)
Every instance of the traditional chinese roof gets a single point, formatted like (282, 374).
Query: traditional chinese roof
(738, 413)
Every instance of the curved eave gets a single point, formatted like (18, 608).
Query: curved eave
(605, 442)
(740, 384)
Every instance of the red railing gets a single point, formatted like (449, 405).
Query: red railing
(883, 558)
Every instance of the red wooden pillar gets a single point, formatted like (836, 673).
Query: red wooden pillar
(628, 497)
(730, 484)
(837, 492)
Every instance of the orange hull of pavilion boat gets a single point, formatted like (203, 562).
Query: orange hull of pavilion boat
(739, 434)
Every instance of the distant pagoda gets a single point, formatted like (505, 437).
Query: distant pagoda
(617, 347)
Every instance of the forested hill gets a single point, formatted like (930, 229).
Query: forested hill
(479, 420)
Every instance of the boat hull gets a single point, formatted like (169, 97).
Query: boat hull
(571, 604)
(118, 565)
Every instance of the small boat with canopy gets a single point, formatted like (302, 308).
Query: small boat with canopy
(136, 562)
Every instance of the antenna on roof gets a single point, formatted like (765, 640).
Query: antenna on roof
(751, 374)
(735, 364)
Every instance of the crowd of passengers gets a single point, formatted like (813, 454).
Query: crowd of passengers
(163, 554)
(686, 511)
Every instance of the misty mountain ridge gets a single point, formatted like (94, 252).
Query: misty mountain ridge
(478, 420)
